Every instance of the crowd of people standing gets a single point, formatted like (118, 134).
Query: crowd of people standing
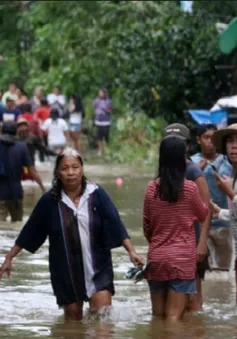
(53, 119)
(188, 206)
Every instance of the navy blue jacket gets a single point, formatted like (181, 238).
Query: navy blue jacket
(106, 230)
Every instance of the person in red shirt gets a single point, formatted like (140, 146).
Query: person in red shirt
(172, 205)
(33, 123)
(43, 112)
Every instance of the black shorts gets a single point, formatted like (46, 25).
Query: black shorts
(103, 133)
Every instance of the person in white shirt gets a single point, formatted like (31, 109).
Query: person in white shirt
(57, 100)
(12, 92)
(57, 129)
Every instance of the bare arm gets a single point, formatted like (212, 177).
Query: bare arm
(35, 175)
(7, 265)
(205, 195)
(135, 259)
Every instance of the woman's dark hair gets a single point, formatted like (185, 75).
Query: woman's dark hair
(26, 108)
(78, 103)
(172, 168)
(54, 114)
(44, 102)
(57, 185)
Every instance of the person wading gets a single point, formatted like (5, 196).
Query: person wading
(172, 205)
(14, 156)
(194, 173)
(220, 236)
(83, 226)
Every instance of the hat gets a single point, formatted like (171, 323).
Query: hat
(178, 129)
(22, 121)
(218, 136)
(9, 127)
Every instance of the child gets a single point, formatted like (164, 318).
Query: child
(172, 206)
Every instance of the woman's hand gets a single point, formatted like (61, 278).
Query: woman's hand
(6, 268)
(215, 209)
(225, 184)
(136, 259)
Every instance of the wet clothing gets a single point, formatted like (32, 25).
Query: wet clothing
(220, 236)
(16, 157)
(193, 172)
(80, 242)
(14, 209)
(170, 231)
(231, 215)
(223, 167)
(177, 285)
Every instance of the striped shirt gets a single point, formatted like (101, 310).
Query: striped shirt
(169, 229)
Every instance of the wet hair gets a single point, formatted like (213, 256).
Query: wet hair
(57, 185)
(54, 114)
(203, 128)
(9, 127)
(172, 168)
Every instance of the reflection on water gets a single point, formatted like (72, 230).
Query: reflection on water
(28, 308)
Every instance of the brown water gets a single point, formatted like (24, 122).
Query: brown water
(28, 308)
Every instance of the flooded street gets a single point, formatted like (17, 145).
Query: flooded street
(28, 308)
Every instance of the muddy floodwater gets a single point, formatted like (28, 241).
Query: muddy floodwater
(28, 308)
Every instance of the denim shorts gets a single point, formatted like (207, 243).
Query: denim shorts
(75, 127)
(178, 285)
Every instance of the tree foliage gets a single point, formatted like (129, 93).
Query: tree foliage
(151, 54)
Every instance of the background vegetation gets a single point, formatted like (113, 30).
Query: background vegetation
(156, 60)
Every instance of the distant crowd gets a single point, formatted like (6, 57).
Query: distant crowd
(52, 119)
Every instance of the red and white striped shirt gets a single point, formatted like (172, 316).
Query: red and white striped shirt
(170, 231)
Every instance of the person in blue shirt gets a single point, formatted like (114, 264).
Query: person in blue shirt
(220, 238)
(10, 112)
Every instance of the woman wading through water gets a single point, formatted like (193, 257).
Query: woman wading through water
(82, 225)
(172, 205)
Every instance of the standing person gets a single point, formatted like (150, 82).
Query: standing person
(83, 226)
(225, 140)
(194, 173)
(171, 206)
(220, 236)
(12, 92)
(14, 156)
(57, 130)
(22, 97)
(10, 112)
(41, 114)
(76, 113)
(32, 142)
(103, 109)
(57, 100)
(35, 101)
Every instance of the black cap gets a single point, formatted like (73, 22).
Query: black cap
(9, 127)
